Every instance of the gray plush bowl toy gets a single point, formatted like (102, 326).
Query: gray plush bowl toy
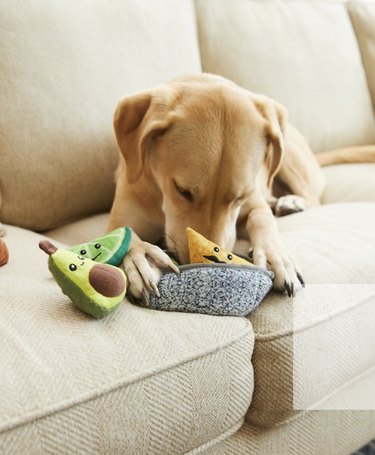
(216, 289)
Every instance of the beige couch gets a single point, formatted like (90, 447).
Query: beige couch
(296, 377)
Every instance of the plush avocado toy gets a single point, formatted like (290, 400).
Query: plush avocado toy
(96, 289)
(109, 249)
(204, 251)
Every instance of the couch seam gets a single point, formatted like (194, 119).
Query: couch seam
(96, 393)
(262, 337)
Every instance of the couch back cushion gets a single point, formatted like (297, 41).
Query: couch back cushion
(63, 67)
(302, 53)
(362, 14)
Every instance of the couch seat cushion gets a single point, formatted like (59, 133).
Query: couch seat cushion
(314, 433)
(310, 347)
(137, 382)
(333, 317)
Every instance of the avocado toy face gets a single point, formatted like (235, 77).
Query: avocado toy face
(96, 289)
(108, 249)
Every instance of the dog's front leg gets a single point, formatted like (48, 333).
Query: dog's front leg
(142, 265)
(267, 248)
(143, 260)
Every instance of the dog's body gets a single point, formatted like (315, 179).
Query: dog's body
(203, 152)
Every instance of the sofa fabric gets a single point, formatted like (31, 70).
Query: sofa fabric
(349, 183)
(362, 14)
(149, 382)
(310, 347)
(302, 53)
(314, 433)
(64, 67)
(329, 243)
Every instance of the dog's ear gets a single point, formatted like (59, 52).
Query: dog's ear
(138, 120)
(276, 117)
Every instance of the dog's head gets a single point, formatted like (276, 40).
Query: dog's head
(204, 140)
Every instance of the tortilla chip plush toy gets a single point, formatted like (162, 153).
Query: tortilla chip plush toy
(96, 289)
(204, 251)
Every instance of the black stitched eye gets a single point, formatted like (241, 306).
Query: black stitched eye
(188, 195)
(230, 257)
(216, 249)
(97, 245)
(73, 267)
(83, 252)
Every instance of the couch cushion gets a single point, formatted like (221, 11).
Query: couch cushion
(302, 53)
(362, 14)
(136, 382)
(63, 68)
(349, 183)
(80, 231)
(309, 347)
(323, 432)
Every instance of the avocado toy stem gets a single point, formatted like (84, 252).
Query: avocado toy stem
(47, 247)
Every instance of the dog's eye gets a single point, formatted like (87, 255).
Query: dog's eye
(216, 249)
(184, 193)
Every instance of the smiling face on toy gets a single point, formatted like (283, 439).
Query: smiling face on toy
(108, 249)
(91, 251)
(218, 256)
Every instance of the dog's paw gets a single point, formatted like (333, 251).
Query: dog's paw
(142, 267)
(289, 204)
(273, 256)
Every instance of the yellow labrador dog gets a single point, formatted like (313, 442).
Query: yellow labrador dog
(203, 152)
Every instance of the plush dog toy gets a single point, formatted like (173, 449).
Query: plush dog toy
(216, 282)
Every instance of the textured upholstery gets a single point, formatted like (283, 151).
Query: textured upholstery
(329, 243)
(302, 53)
(332, 319)
(349, 183)
(146, 381)
(64, 67)
(362, 14)
(314, 433)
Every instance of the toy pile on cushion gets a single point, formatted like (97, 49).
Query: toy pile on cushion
(217, 282)
(4, 253)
